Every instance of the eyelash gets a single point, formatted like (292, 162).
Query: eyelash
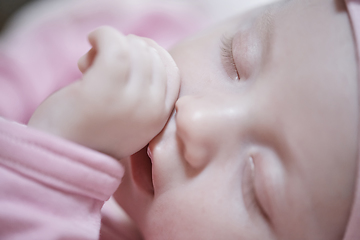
(251, 201)
(227, 54)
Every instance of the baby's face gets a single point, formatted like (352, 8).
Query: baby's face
(263, 141)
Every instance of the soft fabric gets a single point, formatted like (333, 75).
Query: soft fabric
(51, 188)
(353, 228)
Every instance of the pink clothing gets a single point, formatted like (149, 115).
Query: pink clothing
(353, 228)
(54, 189)
(51, 188)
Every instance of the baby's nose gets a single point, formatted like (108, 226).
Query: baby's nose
(206, 126)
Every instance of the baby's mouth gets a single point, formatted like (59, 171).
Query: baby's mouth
(141, 169)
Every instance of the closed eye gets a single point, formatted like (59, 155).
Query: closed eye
(251, 200)
(228, 57)
(248, 187)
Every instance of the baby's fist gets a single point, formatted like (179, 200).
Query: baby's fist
(127, 92)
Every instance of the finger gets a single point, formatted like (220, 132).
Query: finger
(158, 85)
(107, 42)
(111, 61)
(141, 65)
(86, 60)
(172, 74)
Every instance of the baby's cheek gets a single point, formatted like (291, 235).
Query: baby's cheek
(192, 211)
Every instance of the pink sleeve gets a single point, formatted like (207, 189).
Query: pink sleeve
(51, 188)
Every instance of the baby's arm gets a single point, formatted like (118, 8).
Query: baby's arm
(127, 92)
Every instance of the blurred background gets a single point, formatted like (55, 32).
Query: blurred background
(8, 8)
(218, 9)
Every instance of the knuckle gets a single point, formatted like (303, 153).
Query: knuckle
(122, 55)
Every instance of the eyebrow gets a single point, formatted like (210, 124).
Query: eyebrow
(265, 26)
(266, 19)
(263, 20)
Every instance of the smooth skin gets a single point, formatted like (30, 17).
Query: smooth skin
(127, 92)
(261, 146)
(271, 155)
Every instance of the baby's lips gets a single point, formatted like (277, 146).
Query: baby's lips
(141, 168)
(149, 153)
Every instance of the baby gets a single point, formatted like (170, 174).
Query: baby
(263, 139)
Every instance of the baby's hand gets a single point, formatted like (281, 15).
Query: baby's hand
(126, 95)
